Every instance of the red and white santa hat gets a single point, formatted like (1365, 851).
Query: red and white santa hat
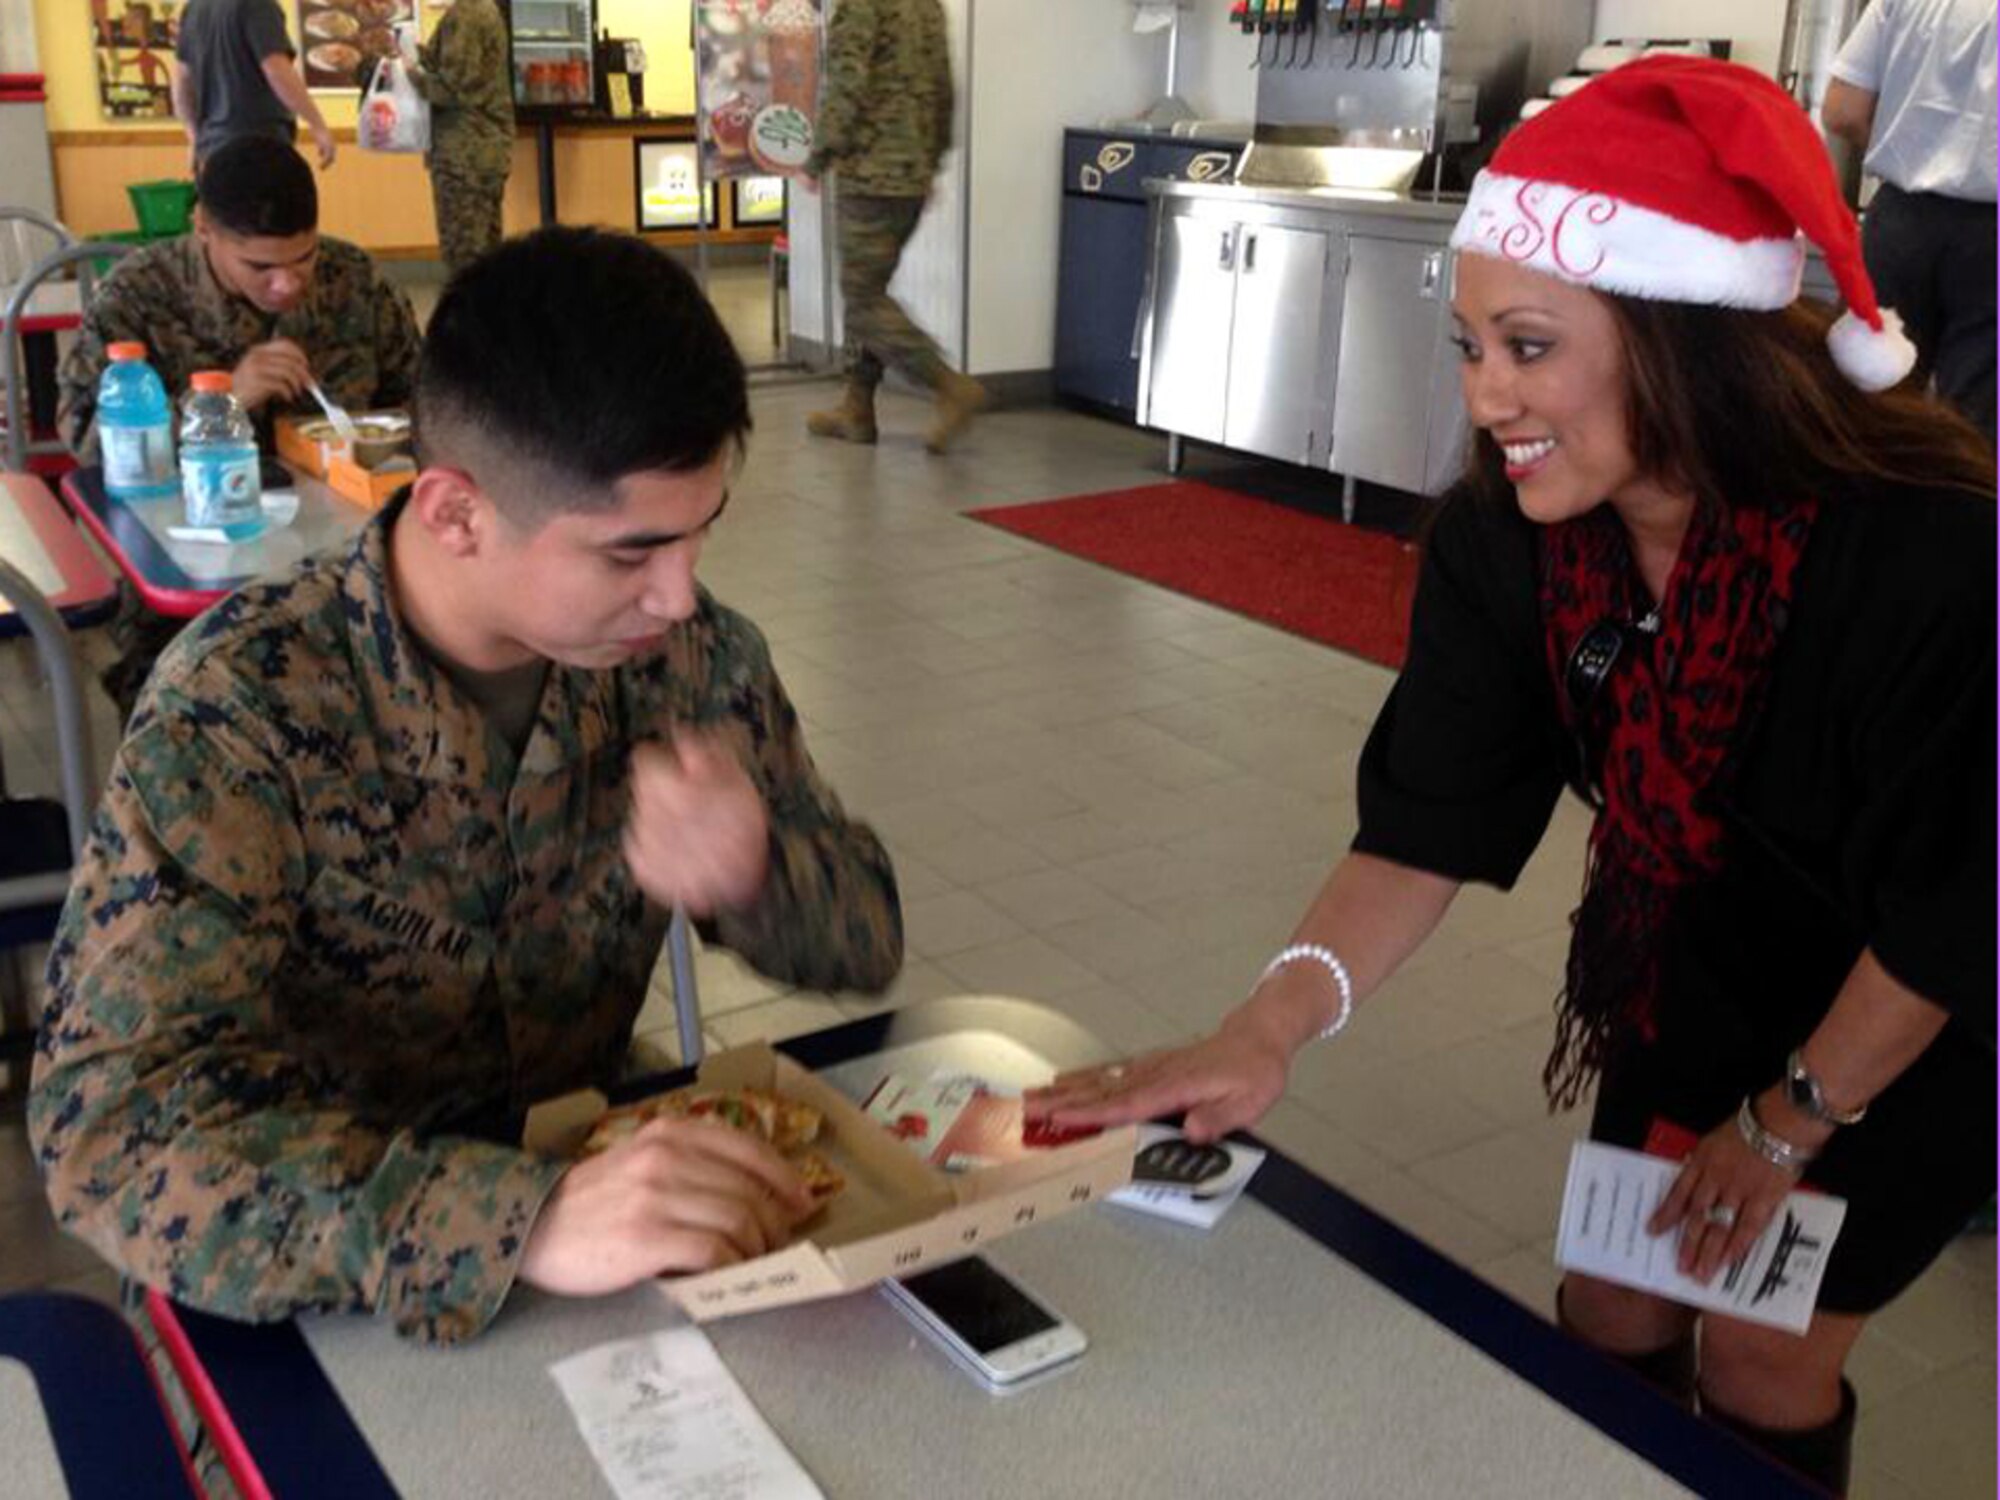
(1680, 179)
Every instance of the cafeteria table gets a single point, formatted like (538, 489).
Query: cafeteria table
(1304, 1346)
(182, 578)
(45, 546)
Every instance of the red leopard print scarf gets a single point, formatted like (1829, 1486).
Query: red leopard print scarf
(1666, 716)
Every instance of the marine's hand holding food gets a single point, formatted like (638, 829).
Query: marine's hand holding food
(698, 835)
(276, 369)
(679, 1194)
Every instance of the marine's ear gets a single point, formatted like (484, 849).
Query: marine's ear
(449, 504)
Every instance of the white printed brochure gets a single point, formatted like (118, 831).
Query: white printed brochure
(1610, 1195)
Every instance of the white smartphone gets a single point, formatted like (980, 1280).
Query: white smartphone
(987, 1322)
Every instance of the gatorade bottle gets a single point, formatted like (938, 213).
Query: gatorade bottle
(135, 427)
(219, 478)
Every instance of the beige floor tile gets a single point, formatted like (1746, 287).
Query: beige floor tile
(775, 1020)
(1052, 898)
(1508, 1180)
(33, 1252)
(1529, 1275)
(1423, 1213)
(917, 982)
(938, 926)
(1029, 967)
(1295, 1129)
(1942, 1318)
(19, 1181)
(1938, 1434)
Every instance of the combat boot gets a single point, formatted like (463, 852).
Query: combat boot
(960, 398)
(853, 421)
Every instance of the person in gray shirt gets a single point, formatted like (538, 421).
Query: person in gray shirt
(235, 73)
(1914, 87)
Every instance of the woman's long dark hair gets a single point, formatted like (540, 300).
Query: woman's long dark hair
(1733, 406)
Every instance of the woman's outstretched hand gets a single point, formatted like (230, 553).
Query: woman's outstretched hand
(1223, 1083)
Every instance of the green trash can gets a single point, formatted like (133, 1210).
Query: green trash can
(163, 209)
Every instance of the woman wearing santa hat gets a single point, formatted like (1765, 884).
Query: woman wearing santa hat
(1715, 567)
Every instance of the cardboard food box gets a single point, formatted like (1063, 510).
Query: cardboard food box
(310, 446)
(897, 1212)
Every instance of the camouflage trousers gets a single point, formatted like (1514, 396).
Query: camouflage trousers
(872, 233)
(467, 196)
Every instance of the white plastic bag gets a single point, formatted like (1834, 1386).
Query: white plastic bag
(394, 116)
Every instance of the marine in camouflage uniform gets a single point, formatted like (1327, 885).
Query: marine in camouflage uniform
(466, 71)
(355, 327)
(357, 331)
(330, 934)
(885, 120)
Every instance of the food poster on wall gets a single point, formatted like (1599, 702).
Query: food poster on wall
(758, 74)
(133, 41)
(666, 179)
(758, 200)
(338, 36)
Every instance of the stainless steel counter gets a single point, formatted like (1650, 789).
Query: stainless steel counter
(1443, 208)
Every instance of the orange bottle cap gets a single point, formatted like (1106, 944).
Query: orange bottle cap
(126, 349)
(211, 380)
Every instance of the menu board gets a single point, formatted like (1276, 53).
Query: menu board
(337, 36)
(132, 42)
(664, 173)
(757, 77)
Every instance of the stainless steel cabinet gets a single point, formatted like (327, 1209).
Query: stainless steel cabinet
(1195, 277)
(1303, 327)
(1237, 353)
(1393, 332)
(1274, 346)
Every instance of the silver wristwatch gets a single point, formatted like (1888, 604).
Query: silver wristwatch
(1805, 1095)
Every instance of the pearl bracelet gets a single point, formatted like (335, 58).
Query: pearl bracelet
(1327, 959)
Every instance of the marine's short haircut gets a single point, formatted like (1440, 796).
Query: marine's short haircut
(570, 358)
(259, 187)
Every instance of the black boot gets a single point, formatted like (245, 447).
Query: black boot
(1822, 1454)
(1670, 1371)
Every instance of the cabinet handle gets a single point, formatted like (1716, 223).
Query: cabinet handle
(1226, 261)
(1249, 253)
(1433, 274)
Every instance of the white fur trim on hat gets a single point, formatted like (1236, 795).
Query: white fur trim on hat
(1873, 359)
(1595, 240)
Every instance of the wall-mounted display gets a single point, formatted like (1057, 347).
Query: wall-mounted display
(757, 200)
(337, 37)
(133, 43)
(664, 182)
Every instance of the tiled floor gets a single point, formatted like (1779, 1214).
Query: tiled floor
(1116, 800)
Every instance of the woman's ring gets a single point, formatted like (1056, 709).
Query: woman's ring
(1115, 1072)
(1721, 1215)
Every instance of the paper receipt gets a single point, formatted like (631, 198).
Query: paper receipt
(666, 1420)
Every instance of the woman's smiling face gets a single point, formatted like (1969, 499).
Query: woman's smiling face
(1543, 372)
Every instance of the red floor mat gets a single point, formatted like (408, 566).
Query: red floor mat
(1332, 583)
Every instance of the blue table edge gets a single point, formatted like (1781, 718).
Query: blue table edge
(306, 1444)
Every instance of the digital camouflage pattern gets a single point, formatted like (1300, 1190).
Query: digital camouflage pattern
(467, 201)
(467, 74)
(886, 110)
(328, 936)
(878, 331)
(357, 331)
